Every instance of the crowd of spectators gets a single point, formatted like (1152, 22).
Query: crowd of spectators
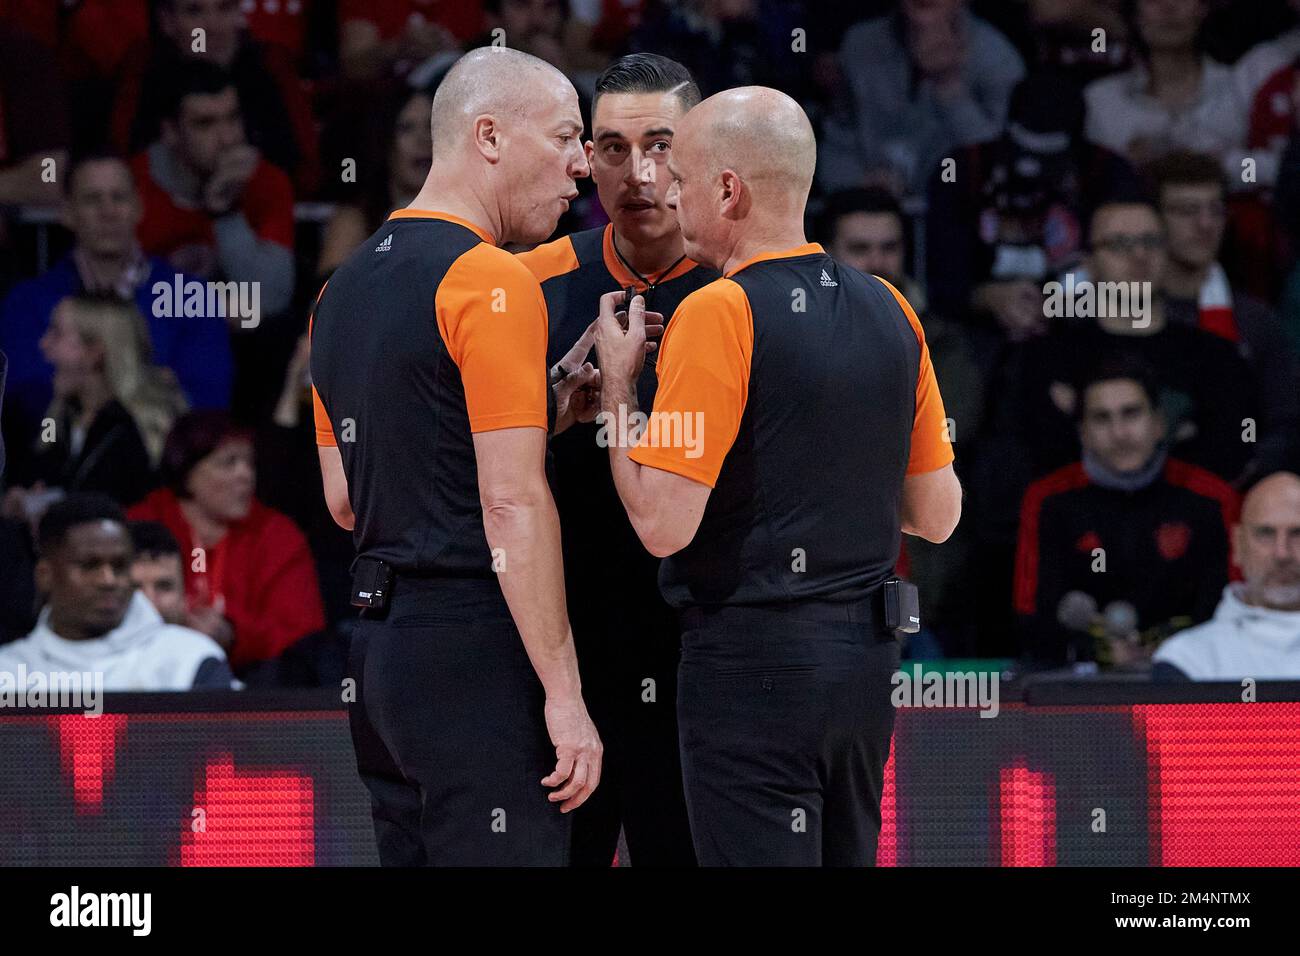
(990, 158)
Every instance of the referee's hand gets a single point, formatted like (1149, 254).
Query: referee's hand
(578, 753)
(623, 338)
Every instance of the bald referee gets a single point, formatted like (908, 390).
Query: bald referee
(817, 432)
(429, 359)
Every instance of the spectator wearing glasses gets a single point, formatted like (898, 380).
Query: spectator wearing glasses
(1208, 391)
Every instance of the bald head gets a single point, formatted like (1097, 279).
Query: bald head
(507, 145)
(761, 134)
(1279, 490)
(496, 81)
(1267, 542)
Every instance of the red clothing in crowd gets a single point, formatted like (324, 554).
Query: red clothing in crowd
(91, 37)
(283, 22)
(275, 103)
(463, 18)
(262, 567)
(267, 204)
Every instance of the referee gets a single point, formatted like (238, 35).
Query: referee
(819, 434)
(627, 637)
(429, 360)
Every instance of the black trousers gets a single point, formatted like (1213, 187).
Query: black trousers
(785, 722)
(449, 732)
(628, 655)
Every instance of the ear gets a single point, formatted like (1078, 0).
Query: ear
(1237, 543)
(734, 199)
(589, 147)
(170, 133)
(487, 137)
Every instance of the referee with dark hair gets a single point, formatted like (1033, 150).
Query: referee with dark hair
(796, 429)
(627, 637)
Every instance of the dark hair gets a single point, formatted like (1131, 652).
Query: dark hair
(1186, 168)
(82, 160)
(153, 540)
(195, 436)
(647, 73)
(76, 509)
(1130, 194)
(377, 119)
(874, 200)
(189, 77)
(1119, 366)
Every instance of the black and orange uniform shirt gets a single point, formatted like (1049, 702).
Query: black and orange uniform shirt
(427, 334)
(801, 392)
(600, 544)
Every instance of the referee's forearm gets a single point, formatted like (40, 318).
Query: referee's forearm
(525, 540)
(620, 403)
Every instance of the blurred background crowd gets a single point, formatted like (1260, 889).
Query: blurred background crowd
(970, 152)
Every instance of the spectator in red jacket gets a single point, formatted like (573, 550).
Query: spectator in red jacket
(250, 580)
(1125, 546)
(278, 113)
(212, 205)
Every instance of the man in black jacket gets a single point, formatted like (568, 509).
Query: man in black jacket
(1124, 543)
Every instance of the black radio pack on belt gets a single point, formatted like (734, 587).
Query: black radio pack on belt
(902, 606)
(372, 583)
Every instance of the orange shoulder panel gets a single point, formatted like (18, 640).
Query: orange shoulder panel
(492, 316)
(931, 442)
(703, 371)
(550, 259)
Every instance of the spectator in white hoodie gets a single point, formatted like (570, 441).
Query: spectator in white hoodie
(95, 621)
(1255, 631)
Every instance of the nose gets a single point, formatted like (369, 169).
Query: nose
(579, 168)
(640, 168)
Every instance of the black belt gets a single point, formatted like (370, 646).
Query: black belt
(375, 581)
(869, 611)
